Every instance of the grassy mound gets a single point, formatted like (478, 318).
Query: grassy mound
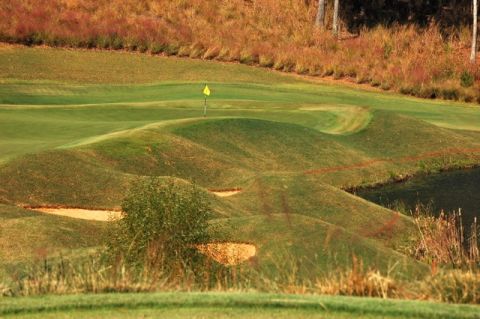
(393, 135)
(293, 247)
(61, 178)
(71, 139)
(26, 234)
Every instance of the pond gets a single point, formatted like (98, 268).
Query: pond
(446, 191)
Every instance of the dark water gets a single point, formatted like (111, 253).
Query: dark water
(448, 191)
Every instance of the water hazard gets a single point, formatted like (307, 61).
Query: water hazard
(446, 191)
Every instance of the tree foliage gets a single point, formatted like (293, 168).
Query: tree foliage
(162, 222)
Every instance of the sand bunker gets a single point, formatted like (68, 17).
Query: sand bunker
(225, 192)
(228, 253)
(88, 214)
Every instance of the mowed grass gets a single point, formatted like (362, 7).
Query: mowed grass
(225, 305)
(150, 89)
(77, 127)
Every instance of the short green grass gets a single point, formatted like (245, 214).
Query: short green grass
(225, 305)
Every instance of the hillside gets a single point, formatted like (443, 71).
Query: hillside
(389, 45)
(288, 145)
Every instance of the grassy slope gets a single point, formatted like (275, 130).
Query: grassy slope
(263, 132)
(26, 233)
(225, 305)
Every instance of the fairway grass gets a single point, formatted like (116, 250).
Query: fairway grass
(225, 305)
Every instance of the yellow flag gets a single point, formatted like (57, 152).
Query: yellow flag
(206, 91)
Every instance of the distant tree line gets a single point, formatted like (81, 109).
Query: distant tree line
(356, 14)
(449, 15)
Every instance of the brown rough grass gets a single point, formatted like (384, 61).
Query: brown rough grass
(228, 253)
(268, 33)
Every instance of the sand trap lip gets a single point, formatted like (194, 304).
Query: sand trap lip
(225, 192)
(80, 213)
(229, 254)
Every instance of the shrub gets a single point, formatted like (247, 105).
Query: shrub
(407, 90)
(300, 68)
(162, 221)
(184, 51)
(116, 43)
(466, 79)
(338, 73)
(328, 71)
(385, 86)
(156, 48)
(429, 92)
(171, 49)
(315, 70)
(247, 58)
(450, 94)
(266, 61)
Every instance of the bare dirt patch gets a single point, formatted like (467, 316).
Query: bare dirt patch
(88, 214)
(229, 254)
(225, 192)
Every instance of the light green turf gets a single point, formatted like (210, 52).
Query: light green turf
(171, 89)
(225, 305)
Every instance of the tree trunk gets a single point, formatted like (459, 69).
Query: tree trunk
(320, 20)
(335, 17)
(473, 55)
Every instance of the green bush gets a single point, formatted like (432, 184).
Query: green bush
(247, 58)
(162, 222)
(450, 94)
(156, 48)
(116, 43)
(466, 79)
(172, 49)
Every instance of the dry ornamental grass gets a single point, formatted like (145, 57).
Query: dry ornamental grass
(268, 33)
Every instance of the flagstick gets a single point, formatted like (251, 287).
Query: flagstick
(205, 107)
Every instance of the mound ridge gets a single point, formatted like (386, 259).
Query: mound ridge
(267, 145)
(77, 138)
(395, 135)
(26, 233)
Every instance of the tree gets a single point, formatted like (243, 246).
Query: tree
(336, 4)
(320, 20)
(473, 55)
(162, 222)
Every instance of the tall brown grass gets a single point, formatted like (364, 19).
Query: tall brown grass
(268, 33)
(358, 281)
(445, 241)
(61, 276)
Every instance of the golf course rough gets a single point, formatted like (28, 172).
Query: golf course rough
(76, 134)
